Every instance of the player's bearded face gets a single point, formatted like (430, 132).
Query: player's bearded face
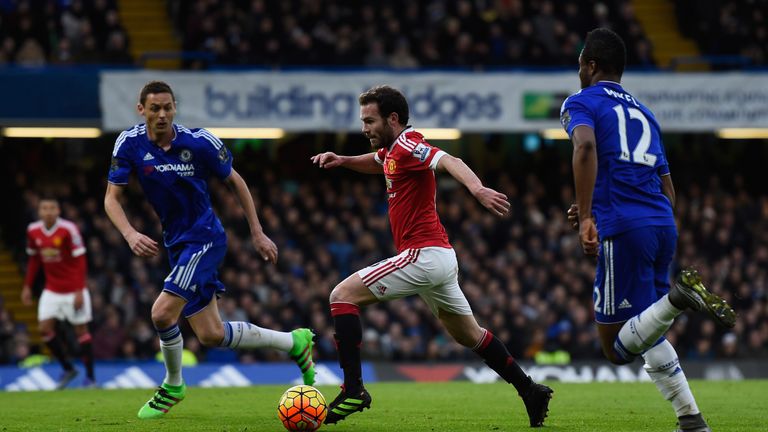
(375, 127)
(159, 110)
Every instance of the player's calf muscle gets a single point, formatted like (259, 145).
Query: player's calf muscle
(211, 337)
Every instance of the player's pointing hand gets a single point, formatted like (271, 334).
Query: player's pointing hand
(496, 202)
(326, 160)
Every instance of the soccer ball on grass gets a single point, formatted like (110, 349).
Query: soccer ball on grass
(302, 408)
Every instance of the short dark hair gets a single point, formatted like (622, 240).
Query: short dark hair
(47, 196)
(605, 47)
(389, 100)
(155, 87)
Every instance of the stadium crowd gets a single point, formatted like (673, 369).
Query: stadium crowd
(62, 32)
(402, 34)
(438, 33)
(524, 275)
(727, 28)
(475, 34)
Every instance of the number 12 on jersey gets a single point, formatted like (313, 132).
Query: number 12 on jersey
(640, 154)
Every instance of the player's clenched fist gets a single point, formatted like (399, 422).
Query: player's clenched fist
(573, 216)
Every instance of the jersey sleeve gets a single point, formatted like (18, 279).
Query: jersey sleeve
(423, 156)
(75, 243)
(663, 166)
(575, 112)
(33, 264)
(216, 155)
(31, 245)
(120, 167)
(380, 155)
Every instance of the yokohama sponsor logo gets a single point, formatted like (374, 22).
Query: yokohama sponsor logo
(182, 169)
(175, 167)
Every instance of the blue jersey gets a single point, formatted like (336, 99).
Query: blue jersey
(175, 182)
(630, 158)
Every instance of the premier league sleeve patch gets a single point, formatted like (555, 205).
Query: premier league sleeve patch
(223, 155)
(421, 152)
(565, 119)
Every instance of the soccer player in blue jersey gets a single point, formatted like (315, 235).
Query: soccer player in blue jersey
(173, 165)
(624, 214)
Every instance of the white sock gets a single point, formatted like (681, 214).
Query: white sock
(238, 334)
(663, 367)
(643, 330)
(172, 345)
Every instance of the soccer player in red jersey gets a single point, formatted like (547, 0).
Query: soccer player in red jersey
(426, 263)
(55, 244)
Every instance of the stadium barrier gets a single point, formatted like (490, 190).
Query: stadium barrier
(150, 374)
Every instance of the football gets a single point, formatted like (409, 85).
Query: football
(302, 408)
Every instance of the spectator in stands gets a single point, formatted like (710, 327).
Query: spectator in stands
(110, 336)
(7, 331)
(464, 33)
(64, 32)
(30, 54)
(735, 29)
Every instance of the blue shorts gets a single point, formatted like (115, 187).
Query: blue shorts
(194, 273)
(632, 272)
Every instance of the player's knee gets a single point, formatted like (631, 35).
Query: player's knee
(162, 317)
(47, 334)
(46, 326)
(338, 294)
(164, 313)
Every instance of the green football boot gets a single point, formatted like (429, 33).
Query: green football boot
(690, 292)
(301, 353)
(165, 398)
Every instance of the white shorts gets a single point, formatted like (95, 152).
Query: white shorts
(58, 306)
(430, 272)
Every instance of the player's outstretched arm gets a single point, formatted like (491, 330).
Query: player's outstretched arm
(365, 163)
(140, 244)
(265, 247)
(585, 175)
(496, 202)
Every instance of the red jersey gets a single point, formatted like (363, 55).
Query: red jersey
(61, 252)
(409, 165)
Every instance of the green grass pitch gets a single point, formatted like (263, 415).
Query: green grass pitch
(456, 406)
